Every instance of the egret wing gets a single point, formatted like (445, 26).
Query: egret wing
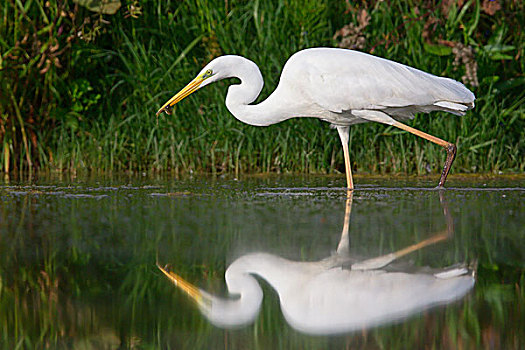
(342, 80)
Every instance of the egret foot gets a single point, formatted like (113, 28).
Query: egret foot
(451, 155)
(451, 148)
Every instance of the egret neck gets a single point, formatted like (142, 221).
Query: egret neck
(241, 95)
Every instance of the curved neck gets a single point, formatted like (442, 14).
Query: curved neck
(264, 265)
(241, 95)
(241, 283)
(243, 307)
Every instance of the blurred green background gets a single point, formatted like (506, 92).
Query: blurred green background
(80, 82)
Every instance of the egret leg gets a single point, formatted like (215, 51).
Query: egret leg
(382, 261)
(343, 135)
(446, 212)
(451, 149)
(344, 243)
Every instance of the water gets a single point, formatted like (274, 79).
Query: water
(78, 261)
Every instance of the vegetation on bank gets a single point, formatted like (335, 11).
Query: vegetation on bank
(79, 87)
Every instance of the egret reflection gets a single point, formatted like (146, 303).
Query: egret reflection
(337, 294)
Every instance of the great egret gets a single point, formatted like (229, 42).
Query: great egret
(342, 87)
(335, 295)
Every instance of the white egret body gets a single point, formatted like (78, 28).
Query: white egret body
(335, 295)
(342, 87)
(317, 298)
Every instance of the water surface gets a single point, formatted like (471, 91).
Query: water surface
(78, 258)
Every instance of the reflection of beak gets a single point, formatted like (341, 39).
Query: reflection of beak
(194, 292)
(188, 89)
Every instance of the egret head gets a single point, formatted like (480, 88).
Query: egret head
(222, 67)
(225, 313)
(214, 71)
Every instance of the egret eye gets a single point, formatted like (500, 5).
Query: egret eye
(207, 74)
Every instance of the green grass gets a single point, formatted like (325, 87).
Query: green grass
(96, 111)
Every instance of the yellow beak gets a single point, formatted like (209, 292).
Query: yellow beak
(188, 89)
(185, 286)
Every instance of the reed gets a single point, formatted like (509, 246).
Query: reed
(80, 89)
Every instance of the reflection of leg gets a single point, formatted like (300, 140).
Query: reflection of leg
(382, 261)
(451, 148)
(446, 212)
(343, 135)
(344, 242)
